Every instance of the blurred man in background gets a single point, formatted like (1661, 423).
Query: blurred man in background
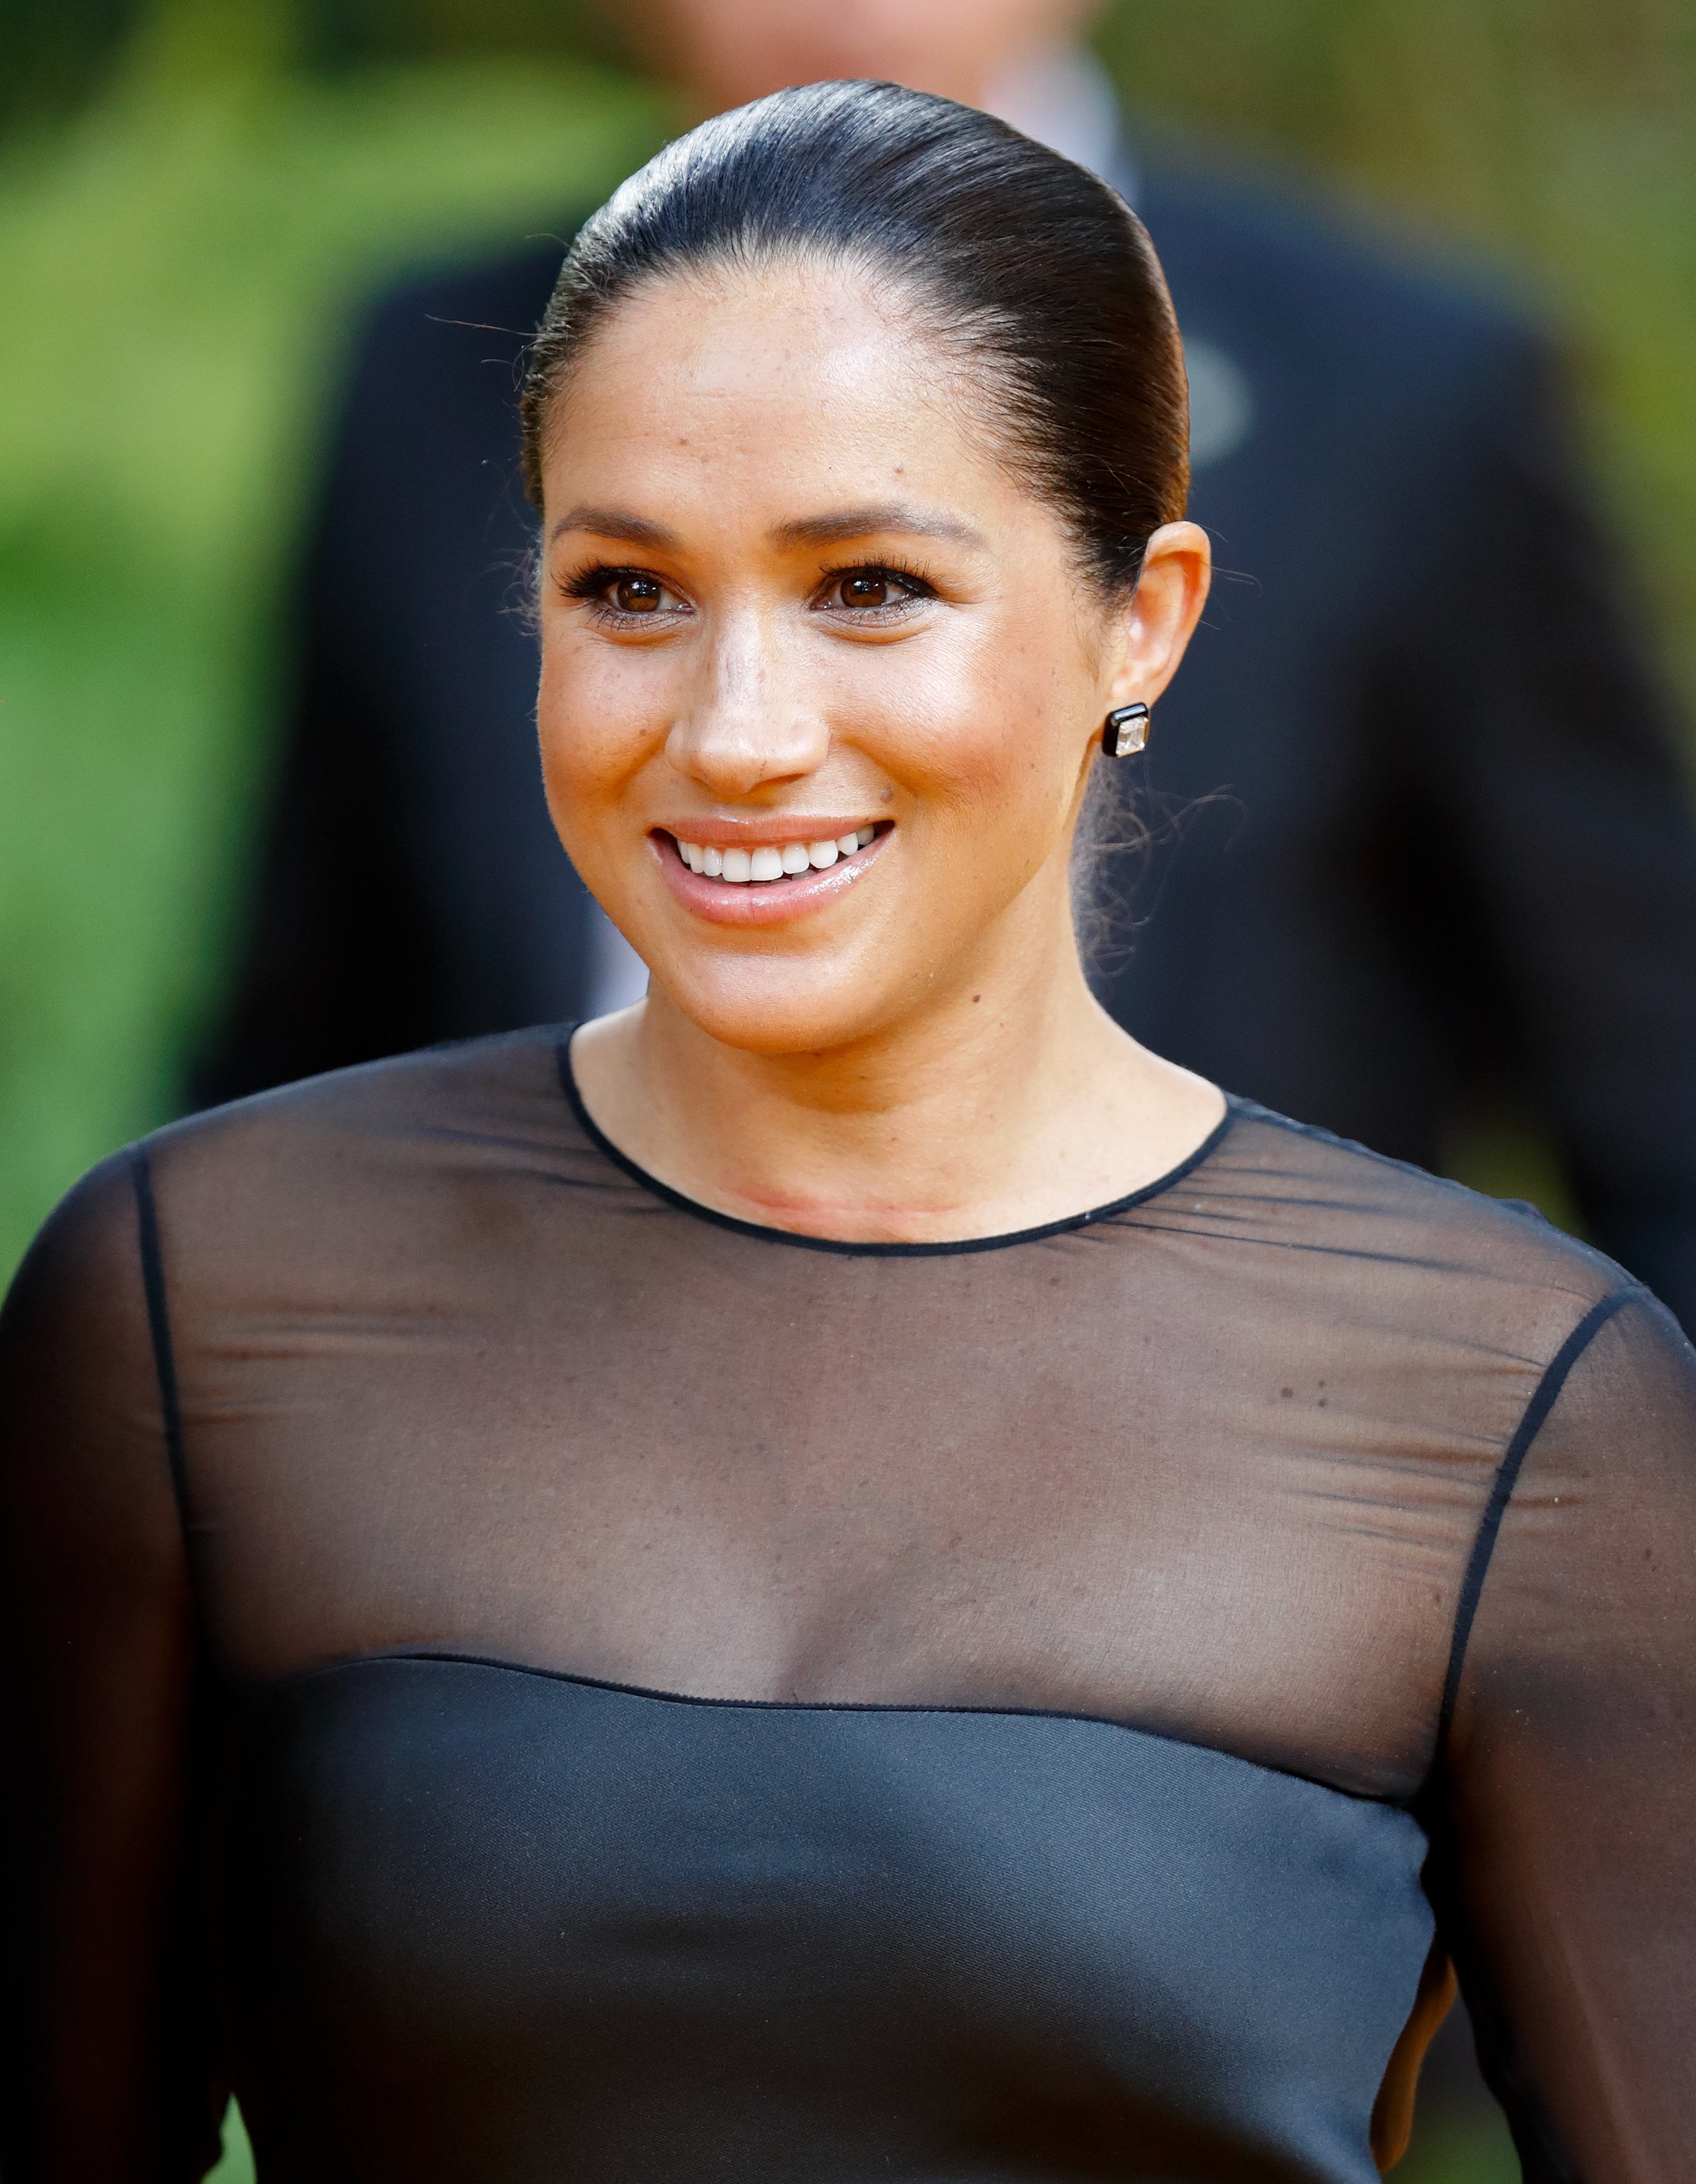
(1433, 855)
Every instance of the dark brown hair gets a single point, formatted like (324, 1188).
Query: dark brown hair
(1031, 270)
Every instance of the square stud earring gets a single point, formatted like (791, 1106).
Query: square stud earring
(1126, 730)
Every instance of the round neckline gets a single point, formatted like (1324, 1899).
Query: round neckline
(951, 1247)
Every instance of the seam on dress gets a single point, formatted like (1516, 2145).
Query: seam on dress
(457, 1656)
(1542, 1403)
(159, 1328)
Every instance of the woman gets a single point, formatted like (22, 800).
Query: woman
(844, 1575)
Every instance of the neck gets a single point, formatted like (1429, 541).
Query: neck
(1010, 1100)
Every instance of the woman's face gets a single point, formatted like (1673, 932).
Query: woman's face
(798, 619)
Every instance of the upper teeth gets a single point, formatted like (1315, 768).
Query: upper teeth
(771, 861)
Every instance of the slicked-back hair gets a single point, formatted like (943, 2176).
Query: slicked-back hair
(1032, 275)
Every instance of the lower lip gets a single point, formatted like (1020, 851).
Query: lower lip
(763, 902)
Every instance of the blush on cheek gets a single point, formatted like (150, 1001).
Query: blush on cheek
(596, 729)
(1000, 769)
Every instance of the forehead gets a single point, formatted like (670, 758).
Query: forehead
(768, 383)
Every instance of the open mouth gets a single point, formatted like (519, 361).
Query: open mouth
(771, 862)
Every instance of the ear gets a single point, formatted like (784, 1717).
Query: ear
(1157, 621)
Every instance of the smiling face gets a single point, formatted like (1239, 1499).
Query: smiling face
(820, 676)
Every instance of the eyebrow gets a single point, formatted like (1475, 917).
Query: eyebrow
(864, 522)
(614, 523)
(804, 530)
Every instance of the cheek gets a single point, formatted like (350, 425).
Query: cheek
(979, 728)
(598, 711)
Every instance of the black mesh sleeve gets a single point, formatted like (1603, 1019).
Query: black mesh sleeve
(1566, 1855)
(105, 2066)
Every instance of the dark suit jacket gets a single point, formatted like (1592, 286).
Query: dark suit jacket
(1437, 846)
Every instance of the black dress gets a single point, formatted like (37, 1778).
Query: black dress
(529, 1681)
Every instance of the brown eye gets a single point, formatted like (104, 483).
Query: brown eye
(638, 595)
(616, 597)
(865, 588)
(872, 590)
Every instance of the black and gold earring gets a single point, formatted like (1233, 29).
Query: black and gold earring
(1126, 730)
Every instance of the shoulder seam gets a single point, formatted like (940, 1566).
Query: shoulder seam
(158, 1328)
(1317, 1134)
(1518, 1210)
(1542, 1402)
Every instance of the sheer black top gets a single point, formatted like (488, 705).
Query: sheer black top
(525, 1678)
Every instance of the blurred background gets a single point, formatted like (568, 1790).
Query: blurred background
(195, 196)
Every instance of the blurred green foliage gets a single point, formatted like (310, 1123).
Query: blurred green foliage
(52, 54)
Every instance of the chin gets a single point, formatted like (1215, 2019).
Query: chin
(778, 1006)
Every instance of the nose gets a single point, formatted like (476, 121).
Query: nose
(748, 725)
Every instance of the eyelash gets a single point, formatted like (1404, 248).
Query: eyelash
(592, 584)
(917, 587)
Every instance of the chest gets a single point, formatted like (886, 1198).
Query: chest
(978, 1480)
